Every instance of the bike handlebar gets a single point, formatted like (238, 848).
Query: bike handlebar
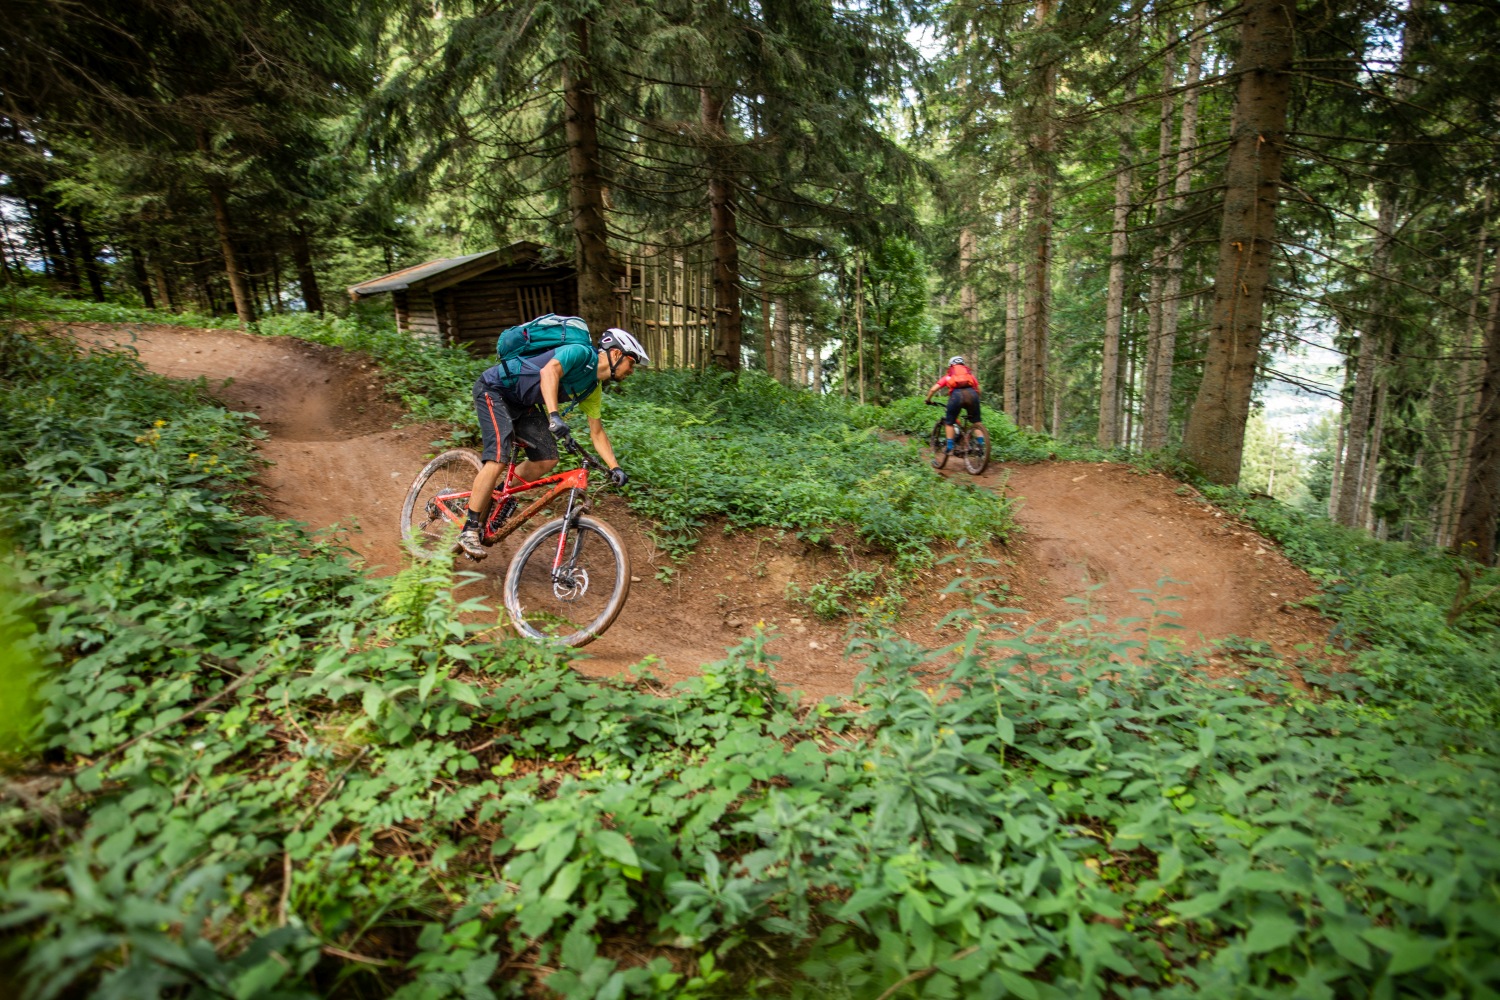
(571, 444)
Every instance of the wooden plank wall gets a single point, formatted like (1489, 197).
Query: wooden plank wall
(421, 315)
(484, 306)
(403, 313)
(665, 300)
(669, 305)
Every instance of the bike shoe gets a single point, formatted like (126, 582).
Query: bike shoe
(470, 545)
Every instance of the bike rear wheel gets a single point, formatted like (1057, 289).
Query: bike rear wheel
(438, 495)
(939, 446)
(574, 605)
(975, 457)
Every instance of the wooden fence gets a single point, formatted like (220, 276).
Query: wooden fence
(667, 300)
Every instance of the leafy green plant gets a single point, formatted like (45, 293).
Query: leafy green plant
(1393, 603)
(261, 774)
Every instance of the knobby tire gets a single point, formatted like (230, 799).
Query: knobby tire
(939, 445)
(975, 459)
(451, 472)
(536, 607)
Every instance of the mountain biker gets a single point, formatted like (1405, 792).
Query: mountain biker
(508, 410)
(963, 394)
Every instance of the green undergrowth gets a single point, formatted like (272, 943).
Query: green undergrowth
(1420, 622)
(34, 304)
(744, 451)
(709, 446)
(703, 447)
(1008, 443)
(252, 772)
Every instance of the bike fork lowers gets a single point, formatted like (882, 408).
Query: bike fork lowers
(576, 508)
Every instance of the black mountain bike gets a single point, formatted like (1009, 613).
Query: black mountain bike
(975, 458)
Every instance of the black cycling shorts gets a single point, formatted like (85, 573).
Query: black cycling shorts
(502, 425)
(966, 399)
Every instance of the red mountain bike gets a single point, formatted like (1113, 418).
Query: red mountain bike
(570, 577)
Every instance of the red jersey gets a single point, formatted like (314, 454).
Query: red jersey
(958, 377)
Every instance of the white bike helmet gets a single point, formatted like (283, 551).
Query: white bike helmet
(957, 359)
(616, 339)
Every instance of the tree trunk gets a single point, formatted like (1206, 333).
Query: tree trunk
(1480, 510)
(142, 280)
(1039, 244)
(1462, 439)
(1132, 350)
(1114, 307)
(1215, 438)
(1013, 344)
(859, 321)
(307, 278)
(728, 316)
(88, 260)
(163, 286)
(1367, 376)
(273, 288)
(781, 331)
(596, 294)
(968, 296)
(1365, 517)
(1161, 391)
(768, 344)
(218, 194)
(1336, 473)
(843, 341)
(1153, 437)
(1033, 374)
(1356, 437)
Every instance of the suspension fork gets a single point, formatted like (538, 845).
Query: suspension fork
(577, 505)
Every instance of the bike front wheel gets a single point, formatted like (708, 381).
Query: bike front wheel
(975, 457)
(437, 500)
(939, 446)
(567, 582)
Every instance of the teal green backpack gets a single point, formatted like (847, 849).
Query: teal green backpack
(541, 334)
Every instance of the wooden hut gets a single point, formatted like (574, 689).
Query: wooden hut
(469, 300)
(664, 299)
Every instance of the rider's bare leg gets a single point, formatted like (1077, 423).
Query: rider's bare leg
(531, 470)
(950, 430)
(484, 485)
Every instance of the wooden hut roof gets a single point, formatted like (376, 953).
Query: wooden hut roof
(446, 271)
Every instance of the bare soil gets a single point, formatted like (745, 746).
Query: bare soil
(339, 461)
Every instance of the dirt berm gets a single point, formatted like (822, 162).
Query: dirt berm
(1102, 532)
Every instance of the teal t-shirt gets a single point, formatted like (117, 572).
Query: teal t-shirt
(580, 376)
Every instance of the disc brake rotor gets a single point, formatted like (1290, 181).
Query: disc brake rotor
(571, 584)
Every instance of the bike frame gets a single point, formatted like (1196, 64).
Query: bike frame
(573, 482)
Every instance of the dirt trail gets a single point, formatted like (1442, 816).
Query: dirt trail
(1121, 538)
(337, 462)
